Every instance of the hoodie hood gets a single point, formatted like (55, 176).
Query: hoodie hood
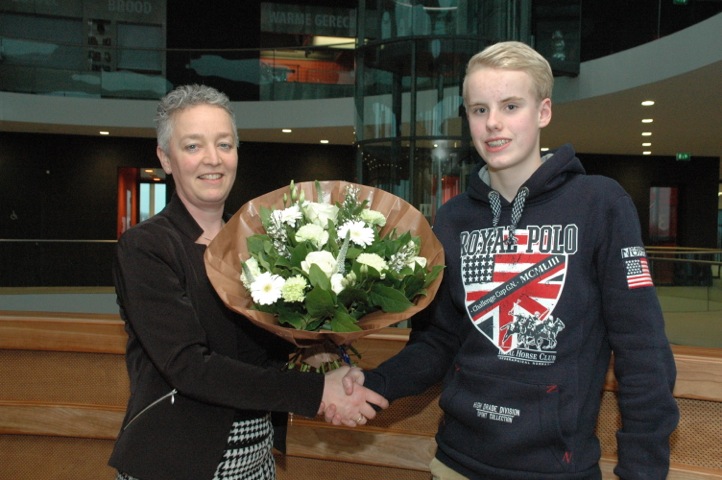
(548, 177)
(557, 168)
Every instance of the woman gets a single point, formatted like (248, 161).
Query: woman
(203, 379)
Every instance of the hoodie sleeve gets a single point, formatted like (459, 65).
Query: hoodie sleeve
(643, 361)
(427, 356)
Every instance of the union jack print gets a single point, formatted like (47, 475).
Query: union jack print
(501, 285)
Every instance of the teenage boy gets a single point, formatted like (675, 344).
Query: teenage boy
(546, 277)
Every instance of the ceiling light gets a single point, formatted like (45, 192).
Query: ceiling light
(336, 42)
(324, 141)
(286, 130)
(545, 149)
(646, 134)
(646, 152)
(647, 120)
(103, 132)
(648, 103)
(647, 144)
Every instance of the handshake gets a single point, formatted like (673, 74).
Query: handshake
(346, 401)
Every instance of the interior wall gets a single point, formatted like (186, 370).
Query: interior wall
(64, 187)
(696, 179)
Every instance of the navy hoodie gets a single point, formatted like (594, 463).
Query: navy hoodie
(536, 296)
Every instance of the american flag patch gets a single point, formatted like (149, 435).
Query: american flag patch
(638, 273)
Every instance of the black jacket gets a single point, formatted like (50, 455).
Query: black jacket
(194, 364)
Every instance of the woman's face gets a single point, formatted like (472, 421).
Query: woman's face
(202, 156)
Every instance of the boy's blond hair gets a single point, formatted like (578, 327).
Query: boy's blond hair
(514, 56)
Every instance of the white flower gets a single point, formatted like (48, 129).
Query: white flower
(266, 288)
(325, 261)
(291, 215)
(373, 260)
(312, 233)
(320, 213)
(358, 232)
(337, 283)
(294, 289)
(414, 260)
(277, 218)
(373, 217)
(253, 268)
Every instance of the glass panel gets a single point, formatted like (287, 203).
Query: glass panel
(390, 19)
(48, 42)
(152, 199)
(663, 215)
(150, 41)
(412, 135)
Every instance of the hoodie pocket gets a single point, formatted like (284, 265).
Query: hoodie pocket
(504, 423)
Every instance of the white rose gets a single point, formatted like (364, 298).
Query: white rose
(325, 261)
(320, 213)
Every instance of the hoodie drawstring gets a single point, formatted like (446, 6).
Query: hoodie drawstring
(516, 211)
(495, 206)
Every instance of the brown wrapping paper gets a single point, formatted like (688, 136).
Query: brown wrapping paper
(223, 258)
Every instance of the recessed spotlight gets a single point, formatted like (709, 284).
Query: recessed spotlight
(286, 130)
(324, 141)
(545, 149)
(648, 103)
(647, 144)
(103, 132)
(646, 152)
(646, 134)
(647, 120)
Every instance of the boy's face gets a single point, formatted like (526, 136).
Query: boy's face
(505, 119)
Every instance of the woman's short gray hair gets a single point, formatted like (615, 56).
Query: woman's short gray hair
(183, 97)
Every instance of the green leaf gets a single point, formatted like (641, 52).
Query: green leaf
(389, 299)
(294, 319)
(265, 214)
(320, 303)
(351, 295)
(255, 243)
(318, 278)
(435, 271)
(343, 322)
(299, 253)
(413, 285)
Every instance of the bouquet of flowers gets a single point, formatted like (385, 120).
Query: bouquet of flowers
(323, 262)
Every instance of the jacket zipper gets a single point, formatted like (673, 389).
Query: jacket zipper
(170, 394)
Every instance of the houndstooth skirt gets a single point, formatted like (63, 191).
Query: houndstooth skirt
(248, 454)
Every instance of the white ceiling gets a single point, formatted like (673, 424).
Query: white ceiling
(687, 118)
